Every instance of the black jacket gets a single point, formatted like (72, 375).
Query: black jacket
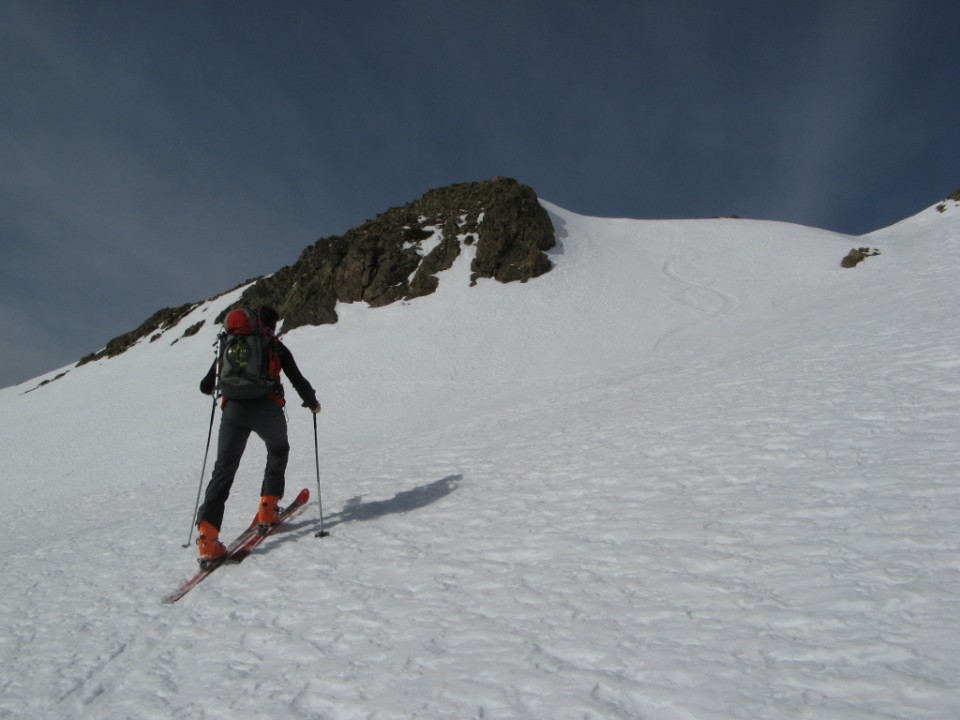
(290, 369)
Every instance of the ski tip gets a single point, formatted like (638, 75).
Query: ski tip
(302, 497)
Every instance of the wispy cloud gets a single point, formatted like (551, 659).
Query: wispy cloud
(828, 122)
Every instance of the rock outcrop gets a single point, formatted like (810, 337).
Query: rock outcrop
(399, 254)
(396, 256)
(857, 256)
(154, 326)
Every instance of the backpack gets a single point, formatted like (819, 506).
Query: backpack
(249, 362)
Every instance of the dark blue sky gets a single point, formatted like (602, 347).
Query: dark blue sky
(156, 153)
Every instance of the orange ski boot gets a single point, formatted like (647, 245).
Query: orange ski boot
(269, 514)
(208, 541)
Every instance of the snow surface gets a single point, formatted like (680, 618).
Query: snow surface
(696, 471)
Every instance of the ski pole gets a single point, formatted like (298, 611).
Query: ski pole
(316, 452)
(203, 471)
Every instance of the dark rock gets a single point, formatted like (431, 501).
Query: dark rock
(193, 329)
(156, 324)
(396, 256)
(856, 256)
(387, 259)
(942, 207)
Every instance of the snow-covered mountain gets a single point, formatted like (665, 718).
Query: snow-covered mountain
(698, 470)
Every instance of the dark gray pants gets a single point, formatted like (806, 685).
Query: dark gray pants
(241, 417)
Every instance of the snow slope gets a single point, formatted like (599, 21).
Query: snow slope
(696, 471)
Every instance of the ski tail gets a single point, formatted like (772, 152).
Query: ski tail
(240, 548)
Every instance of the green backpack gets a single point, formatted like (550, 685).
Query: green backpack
(249, 362)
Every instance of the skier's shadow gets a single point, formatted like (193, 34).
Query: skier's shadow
(356, 510)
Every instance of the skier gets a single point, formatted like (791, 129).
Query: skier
(263, 416)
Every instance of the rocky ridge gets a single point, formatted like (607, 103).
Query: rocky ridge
(396, 256)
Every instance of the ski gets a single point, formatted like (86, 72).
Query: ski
(239, 548)
(202, 573)
(294, 508)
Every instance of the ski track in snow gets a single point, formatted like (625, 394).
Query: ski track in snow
(698, 295)
(716, 500)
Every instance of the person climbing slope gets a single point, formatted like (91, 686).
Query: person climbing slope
(246, 374)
